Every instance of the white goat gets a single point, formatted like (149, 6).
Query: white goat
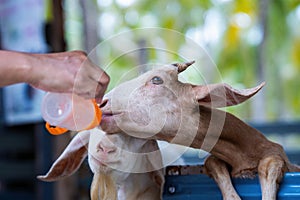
(156, 105)
(124, 167)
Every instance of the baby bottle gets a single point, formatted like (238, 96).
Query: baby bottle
(64, 111)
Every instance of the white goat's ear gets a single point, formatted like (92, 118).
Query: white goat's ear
(222, 95)
(70, 160)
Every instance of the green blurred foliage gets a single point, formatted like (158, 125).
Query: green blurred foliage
(234, 49)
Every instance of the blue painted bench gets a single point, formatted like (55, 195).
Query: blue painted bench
(197, 187)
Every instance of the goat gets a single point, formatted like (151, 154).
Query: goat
(124, 167)
(156, 105)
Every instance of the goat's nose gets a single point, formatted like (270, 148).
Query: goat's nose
(103, 103)
(105, 148)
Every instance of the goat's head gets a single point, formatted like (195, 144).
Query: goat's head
(119, 154)
(158, 103)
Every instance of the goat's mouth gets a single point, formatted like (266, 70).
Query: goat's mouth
(104, 164)
(110, 114)
(105, 161)
(109, 117)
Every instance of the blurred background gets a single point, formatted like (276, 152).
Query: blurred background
(245, 43)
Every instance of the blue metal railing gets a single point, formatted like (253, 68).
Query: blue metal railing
(192, 187)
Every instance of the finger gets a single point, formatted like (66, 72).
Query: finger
(99, 93)
(102, 83)
(85, 87)
(98, 100)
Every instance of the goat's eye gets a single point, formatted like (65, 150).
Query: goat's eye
(157, 80)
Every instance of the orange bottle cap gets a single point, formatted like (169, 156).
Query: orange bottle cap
(55, 130)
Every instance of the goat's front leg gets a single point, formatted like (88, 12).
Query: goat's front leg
(218, 170)
(270, 171)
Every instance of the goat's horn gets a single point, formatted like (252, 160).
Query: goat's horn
(183, 66)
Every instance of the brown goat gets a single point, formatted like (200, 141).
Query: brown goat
(156, 105)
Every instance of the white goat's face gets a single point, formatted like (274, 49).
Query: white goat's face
(147, 105)
(119, 153)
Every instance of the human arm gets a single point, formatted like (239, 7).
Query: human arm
(55, 72)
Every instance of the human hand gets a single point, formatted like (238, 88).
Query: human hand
(68, 72)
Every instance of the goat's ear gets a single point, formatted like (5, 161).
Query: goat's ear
(222, 95)
(70, 160)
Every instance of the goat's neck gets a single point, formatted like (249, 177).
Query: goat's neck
(139, 186)
(224, 136)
